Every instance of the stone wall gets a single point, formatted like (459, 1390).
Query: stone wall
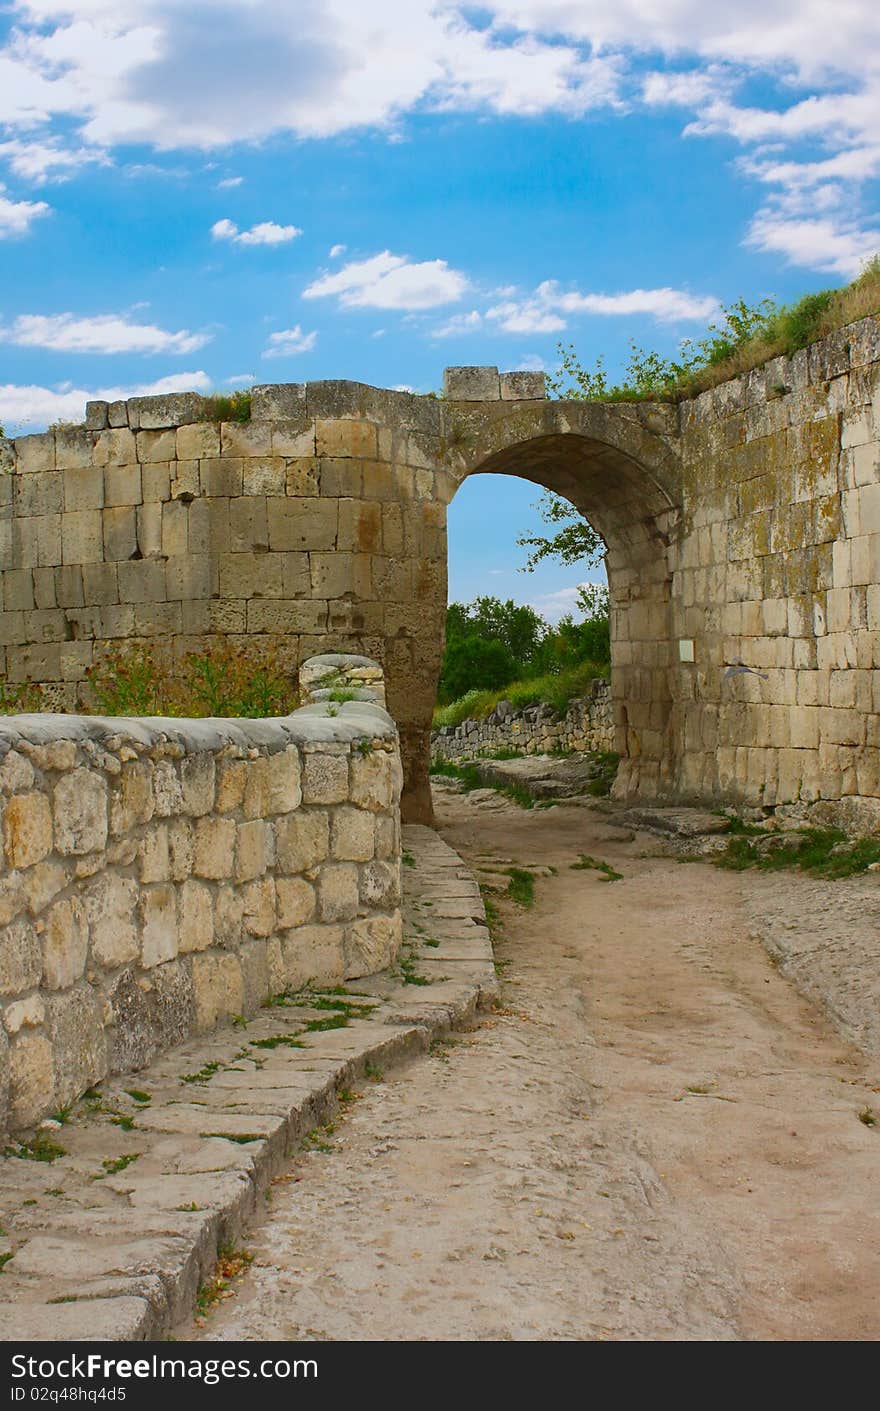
(587, 724)
(742, 527)
(778, 567)
(159, 877)
(318, 521)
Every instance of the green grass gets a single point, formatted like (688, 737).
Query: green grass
(115, 1164)
(143, 679)
(469, 776)
(822, 852)
(278, 1041)
(555, 689)
(233, 406)
(37, 1148)
(5, 1258)
(747, 338)
(521, 887)
(595, 864)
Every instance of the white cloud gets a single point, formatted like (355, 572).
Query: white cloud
(266, 232)
(229, 182)
(290, 341)
(666, 305)
(388, 281)
(824, 243)
(26, 407)
(336, 251)
(529, 315)
(459, 326)
(83, 76)
(102, 333)
(49, 160)
(146, 71)
(241, 380)
(553, 606)
(16, 217)
(549, 308)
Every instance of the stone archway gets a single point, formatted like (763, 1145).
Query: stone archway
(623, 477)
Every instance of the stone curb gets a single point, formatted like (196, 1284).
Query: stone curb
(112, 1240)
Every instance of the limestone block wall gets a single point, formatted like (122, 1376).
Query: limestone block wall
(320, 520)
(159, 877)
(742, 526)
(778, 567)
(587, 724)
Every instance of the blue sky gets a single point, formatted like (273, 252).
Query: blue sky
(231, 191)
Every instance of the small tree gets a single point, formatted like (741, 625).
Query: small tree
(475, 663)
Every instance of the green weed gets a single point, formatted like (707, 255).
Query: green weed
(609, 873)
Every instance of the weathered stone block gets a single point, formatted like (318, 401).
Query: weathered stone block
(196, 924)
(522, 386)
(252, 438)
(352, 834)
(65, 944)
(302, 840)
(313, 955)
(380, 885)
(214, 848)
(228, 916)
(197, 780)
(252, 850)
(371, 944)
(155, 859)
(80, 809)
(347, 438)
(158, 912)
(325, 778)
(21, 961)
(31, 1079)
(24, 1014)
(82, 537)
(284, 781)
(170, 409)
(258, 906)
(471, 384)
(301, 523)
(132, 800)
(218, 988)
(279, 401)
(295, 900)
(110, 902)
(337, 891)
(231, 781)
(374, 780)
(73, 1021)
(27, 829)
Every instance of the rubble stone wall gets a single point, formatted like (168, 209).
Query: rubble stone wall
(586, 725)
(159, 877)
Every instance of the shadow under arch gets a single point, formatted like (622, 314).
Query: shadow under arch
(633, 501)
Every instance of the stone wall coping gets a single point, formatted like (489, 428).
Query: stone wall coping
(320, 723)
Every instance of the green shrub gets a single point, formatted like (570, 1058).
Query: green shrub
(554, 688)
(234, 406)
(18, 698)
(218, 682)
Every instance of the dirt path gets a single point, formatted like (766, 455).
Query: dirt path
(655, 1138)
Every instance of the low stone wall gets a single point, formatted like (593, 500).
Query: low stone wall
(162, 876)
(586, 725)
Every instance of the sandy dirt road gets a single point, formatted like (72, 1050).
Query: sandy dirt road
(654, 1138)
